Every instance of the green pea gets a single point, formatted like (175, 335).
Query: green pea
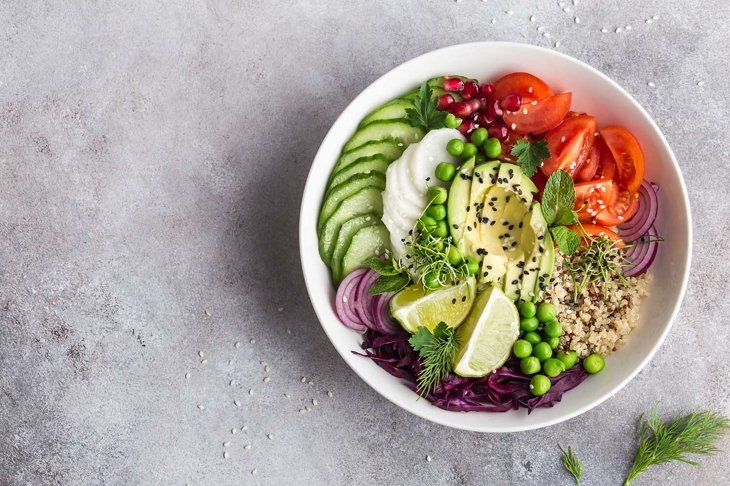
(479, 159)
(546, 312)
(441, 230)
(437, 212)
(569, 358)
(542, 351)
(470, 150)
(594, 363)
(492, 148)
(540, 385)
(522, 348)
(451, 121)
(427, 223)
(472, 265)
(445, 171)
(553, 367)
(529, 365)
(437, 195)
(529, 324)
(439, 245)
(553, 342)
(527, 308)
(553, 329)
(455, 147)
(431, 280)
(532, 337)
(454, 256)
(479, 136)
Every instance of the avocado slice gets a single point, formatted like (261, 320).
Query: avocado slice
(533, 234)
(513, 179)
(458, 200)
(547, 263)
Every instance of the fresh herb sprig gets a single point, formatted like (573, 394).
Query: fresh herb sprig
(392, 278)
(558, 200)
(425, 114)
(530, 155)
(601, 260)
(571, 463)
(437, 350)
(661, 442)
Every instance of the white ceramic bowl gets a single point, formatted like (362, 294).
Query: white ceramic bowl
(594, 93)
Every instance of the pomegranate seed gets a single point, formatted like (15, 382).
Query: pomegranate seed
(485, 119)
(453, 84)
(492, 109)
(498, 131)
(486, 89)
(471, 88)
(466, 127)
(511, 102)
(475, 104)
(445, 101)
(462, 109)
(483, 102)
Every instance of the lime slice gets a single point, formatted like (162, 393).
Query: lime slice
(487, 335)
(414, 306)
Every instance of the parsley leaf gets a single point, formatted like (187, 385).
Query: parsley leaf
(421, 338)
(558, 196)
(437, 351)
(425, 114)
(566, 239)
(530, 155)
(389, 283)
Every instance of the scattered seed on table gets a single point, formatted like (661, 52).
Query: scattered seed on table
(237, 344)
(557, 44)
(253, 472)
(232, 382)
(252, 340)
(428, 458)
(618, 29)
(266, 368)
(566, 9)
(266, 379)
(604, 30)
(288, 331)
(270, 436)
(314, 402)
(201, 354)
(250, 392)
(655, 17)
(188, 375)
(286, 395)
(330, 394)
(234, 431)
(247, 446)
(230, 361)
(577, 20)
(201, 407)
(226, 444)
(225, 455)
(628, 27)
(280, 309)
(700, 83)
(311, 382)
(207, 312)
(304, 379)
(237, 403)
(494, 21)
(301, 410)
(509, 12)
(244, 428)
(532, 18)
(308, 408)
(204, 361)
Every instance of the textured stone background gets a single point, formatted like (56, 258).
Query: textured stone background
(152, 158)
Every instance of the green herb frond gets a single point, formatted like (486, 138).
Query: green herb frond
(571, 463)
(436, 355)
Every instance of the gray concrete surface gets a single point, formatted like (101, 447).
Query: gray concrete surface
(152, 158)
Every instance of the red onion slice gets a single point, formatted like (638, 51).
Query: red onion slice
(381, 313)
(345, 299)
(645, 215)
(644, 253)
(363, 300)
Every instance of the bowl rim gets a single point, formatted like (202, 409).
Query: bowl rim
(319, 306)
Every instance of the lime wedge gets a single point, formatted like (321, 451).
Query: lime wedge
(414, 306)
(487, 335)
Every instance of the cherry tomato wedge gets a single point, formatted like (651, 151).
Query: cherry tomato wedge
(587, 230)
(593, 197)
(621, 210)
(528, 86)
(627, 153)
(539, 116)
(569, 144)
(590, 167)
(607, 169)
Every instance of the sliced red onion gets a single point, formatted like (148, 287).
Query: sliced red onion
(345, 299)
(644, 252)
(381, 314)
(363, 300)
(639, 224)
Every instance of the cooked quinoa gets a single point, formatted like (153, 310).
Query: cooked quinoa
(594, 321)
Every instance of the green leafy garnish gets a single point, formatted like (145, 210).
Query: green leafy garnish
(426, 115)
(599, 261)
(558, 200)
(661, 442)
(437, 350)
(530, 155)
(571, 463)
(384, 267)
(389, 283)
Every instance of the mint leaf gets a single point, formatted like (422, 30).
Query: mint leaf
(383, 267)
(422, 338)
(566, 217)
(389, 283)
(558, 195)
(425, 113)
(530, 155)
(566, 239)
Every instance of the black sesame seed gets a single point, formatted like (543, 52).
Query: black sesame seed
(514, 243)
(455, 226)
(468, 228)
(520, 264)
(428, 179)
(463, 299)
(520, 225)
(492, 223)
(511, 227)
(453, 301)
(515, 282)
(468, 208)
(505, 223)
(489, 267)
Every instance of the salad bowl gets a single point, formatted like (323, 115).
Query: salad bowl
(593, 92)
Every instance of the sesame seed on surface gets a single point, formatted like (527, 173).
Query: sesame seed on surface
(225, 455)
(237, 344)
(201, 354)
(651, 84)
(188, 375)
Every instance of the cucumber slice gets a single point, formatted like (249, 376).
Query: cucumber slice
(389, 149)
(363, 165)
(399, 130)
(336, 194)
(366, 200)
(344, 238)
(368, 242)
(394, 110)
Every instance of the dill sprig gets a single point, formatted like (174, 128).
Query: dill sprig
(437, 350)
(601, 260)
(661, 442)
(571, 463)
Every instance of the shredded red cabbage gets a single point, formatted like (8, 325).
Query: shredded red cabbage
(505, 389)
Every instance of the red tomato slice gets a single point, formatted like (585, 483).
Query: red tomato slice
(526, 85)
(593, 197)
(539, 116)
(569, 144)
(627, 153)
(590, 167)
(621, 210)
(607, 169)
(595, 230)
